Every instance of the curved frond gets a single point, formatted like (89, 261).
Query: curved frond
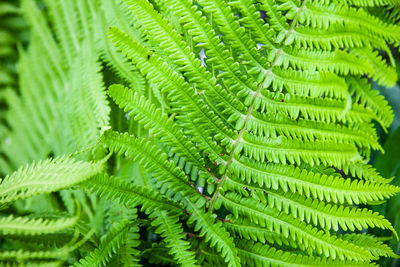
(327, 216)
(45, 177)
(370, 243)
(214, 233)
(385, 74)
(12, 225)
(22, 254)
(337, 61)
(366, 96)
(313, 84)
(154, 160)
(128, 194)
(234, 34)
(284, 150)
(315, 15)
(315, 109)
(274, 125)
(170, 229)
(108, 246)
(264, 255)
(321, 242)
(158, 123)
(309, 183)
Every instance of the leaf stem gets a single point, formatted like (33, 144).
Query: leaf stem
(250, 111)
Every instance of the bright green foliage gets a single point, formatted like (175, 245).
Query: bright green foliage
(239, 132)
(130, 195)
(109, 245)
(23, 225)
(45, 177)
(169, 228)
(12, 33)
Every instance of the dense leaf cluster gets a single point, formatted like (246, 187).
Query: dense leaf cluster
(196, 133)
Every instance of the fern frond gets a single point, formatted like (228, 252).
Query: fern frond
(43, 34)
(235, 34)
(319, 213)
(170, 41)
(321, 242)
(274, 125)
(171, 230)
(172, 82)
(218, 56)
(66, 27)
(250, 18)
(283, 150)
(365, 3)
(128, 194)
(385, 75)
(128, 253)
(336, 61)
(315, 15)
(21, 255)
(338, 36)
(94, 84)
(316, 109)
(154, 160)
(32, 264)
(366, 96)
(45, 177)
(158, 123)
(250, 231)
(108, 52)
(370, 243)
(214, 233)
(12, 225)
(326, 215)
(365, 171)
(309, 183)
(264, 255)
(313, 84)
(254, 120)
(108, 246)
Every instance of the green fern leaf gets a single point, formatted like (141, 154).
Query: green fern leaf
(109, 245)
(154, 160)
(280, 223)
(368, 242)
(264, 255)
(125, 193)
(169, 228)
(11, 225)
(159, 124)
(214, 233)
(271, 125)
(310, 183)
(45, 177)
(319, 213)
(23, 255)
